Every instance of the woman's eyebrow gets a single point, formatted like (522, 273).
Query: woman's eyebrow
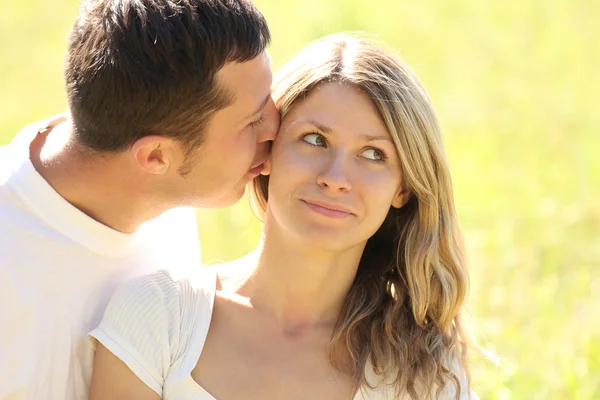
(371, 138)
(321, 127)
(327, 130)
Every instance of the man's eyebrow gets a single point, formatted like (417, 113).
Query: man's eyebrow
(262, 105)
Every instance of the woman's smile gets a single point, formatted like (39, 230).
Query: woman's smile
(330, 210)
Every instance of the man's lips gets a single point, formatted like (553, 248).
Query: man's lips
(257, 169)
(329, 209)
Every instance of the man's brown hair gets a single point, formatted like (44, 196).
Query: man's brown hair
(140, 67)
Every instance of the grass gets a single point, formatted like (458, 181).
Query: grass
(516, 87)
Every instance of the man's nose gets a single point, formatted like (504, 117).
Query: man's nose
(270, 127)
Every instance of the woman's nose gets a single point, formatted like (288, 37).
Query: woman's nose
(334, 175)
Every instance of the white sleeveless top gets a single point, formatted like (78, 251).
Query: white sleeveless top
(157, 326)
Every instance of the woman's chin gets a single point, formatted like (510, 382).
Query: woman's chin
(329, 239)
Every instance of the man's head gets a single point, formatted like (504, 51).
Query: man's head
(169, 83)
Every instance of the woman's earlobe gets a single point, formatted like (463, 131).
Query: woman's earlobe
(401, 197)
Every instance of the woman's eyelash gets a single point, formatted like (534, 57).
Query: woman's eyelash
(303, 137)
(383, 154)
(258, 122)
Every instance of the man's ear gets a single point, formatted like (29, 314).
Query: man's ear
(154, 154)
(401, 197)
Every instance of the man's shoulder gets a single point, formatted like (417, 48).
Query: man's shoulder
(179, 214)
(5, 165)
(178, 221)
(17, 150)
(173, 237)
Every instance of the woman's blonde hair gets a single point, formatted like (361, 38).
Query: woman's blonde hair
(403, 313)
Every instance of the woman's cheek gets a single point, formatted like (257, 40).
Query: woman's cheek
(381, 182)
(291, 155)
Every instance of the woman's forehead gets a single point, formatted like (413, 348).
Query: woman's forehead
(332, 107)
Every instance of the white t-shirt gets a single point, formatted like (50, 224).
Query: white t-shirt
(58, 269)
(157, 325)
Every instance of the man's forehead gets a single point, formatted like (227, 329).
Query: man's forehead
(257, 66)
(248, 84)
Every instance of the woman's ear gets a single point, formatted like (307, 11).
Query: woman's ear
(400, 198)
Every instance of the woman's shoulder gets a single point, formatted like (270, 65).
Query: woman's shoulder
(153, 315)
(168, 285)
(149, 321)
(234, 273)
(383, 387)
(161, 296)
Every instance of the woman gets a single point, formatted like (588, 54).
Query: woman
(358, 286)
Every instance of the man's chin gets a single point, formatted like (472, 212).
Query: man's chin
(226, 200)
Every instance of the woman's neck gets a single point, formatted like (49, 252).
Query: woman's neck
(299, 284)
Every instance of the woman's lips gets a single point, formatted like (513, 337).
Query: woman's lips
(330, 211)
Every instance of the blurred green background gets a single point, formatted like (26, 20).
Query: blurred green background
(516, 84)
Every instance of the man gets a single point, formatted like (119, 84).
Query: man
(169, 105)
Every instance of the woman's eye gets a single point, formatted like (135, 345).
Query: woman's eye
(315, 139)
(374, 154)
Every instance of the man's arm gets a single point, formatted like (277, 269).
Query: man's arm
(113, 380)
(18, 342)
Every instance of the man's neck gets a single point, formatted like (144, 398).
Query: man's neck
(98, 186)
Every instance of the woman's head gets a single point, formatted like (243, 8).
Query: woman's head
(403, 310)
(398, 107)
(335, 170)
